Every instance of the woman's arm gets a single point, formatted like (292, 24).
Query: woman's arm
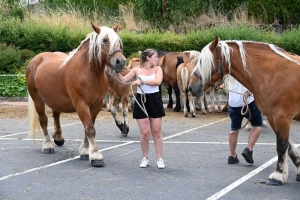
(128, 77)
(158, 78)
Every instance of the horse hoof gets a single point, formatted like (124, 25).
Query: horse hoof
(48, 151)
(59, 143)
(298, 178)
(193, 115)
(273, 182)
(84, 157)
(185, 115)
(123, 135)
(97, 163)
(169, 106)
(176, 110)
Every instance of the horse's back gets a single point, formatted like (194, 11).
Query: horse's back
(169, 63)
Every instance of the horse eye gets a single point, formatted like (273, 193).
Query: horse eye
(105, 41)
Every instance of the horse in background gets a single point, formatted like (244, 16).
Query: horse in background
(184, 71)
(121, 93)
(73, 83)
(260, 67)
(169, 63)
(214, 90)
(118, 93)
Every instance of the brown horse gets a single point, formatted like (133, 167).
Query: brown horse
(184, 71)
(118, 93)
(74, 83)
(169, 63)
(262, 68)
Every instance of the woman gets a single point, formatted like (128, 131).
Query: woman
(148, 77)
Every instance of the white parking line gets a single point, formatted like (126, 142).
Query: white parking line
(244, 178)
(116, 146)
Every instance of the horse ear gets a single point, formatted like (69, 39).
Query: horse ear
(96, 28)
(116, 27)
(214, 43)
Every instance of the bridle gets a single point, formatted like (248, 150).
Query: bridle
(114, 50)
(217, 70)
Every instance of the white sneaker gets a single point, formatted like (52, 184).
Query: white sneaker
(144, 162)
(161, 164)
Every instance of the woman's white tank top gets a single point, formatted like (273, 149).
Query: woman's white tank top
(147, 88)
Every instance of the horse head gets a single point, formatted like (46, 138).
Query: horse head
(208, 70)
(109, 46)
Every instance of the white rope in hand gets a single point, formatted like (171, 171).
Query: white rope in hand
(143, 96)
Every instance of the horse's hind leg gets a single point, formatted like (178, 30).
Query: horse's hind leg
(183, 96)
(170, 103)
(295, 156)
(57, 132)
(47, 147)
(281, 128)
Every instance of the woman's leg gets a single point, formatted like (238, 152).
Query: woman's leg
(156, 124)
(144, 126)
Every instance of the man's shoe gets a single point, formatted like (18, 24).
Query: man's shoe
(247, 154)
(144, 162)
(233, 160)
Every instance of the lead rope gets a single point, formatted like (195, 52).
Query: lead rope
(143, 96)
(245, 96)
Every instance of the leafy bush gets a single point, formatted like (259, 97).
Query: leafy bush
(13, 86)
(10, 59)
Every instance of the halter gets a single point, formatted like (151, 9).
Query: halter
(217, 70)
(109, 54)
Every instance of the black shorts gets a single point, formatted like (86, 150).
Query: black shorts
(154, 106)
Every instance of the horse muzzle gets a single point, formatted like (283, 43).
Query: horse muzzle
(119, 65)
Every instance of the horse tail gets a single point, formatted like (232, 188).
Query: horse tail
(184, 77)
(34, 119)
(179, 61)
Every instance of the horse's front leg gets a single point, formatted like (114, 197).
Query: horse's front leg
(202, 99)
(57, 132)
(212, 100)
(114, 113)
(89, 140)
(280, 175)
(218, 98)
(125, 116)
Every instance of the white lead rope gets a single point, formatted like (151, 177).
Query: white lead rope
(143, 96)
(245, 96)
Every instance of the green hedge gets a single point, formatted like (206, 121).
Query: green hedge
(23, 40)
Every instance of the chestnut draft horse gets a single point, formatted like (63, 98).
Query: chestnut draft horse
(74, 83)
(169, 63)
(262, 68)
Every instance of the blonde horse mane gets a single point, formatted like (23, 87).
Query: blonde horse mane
(206, 59)
(96, 43)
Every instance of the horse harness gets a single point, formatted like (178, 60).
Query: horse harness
(217, 70)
